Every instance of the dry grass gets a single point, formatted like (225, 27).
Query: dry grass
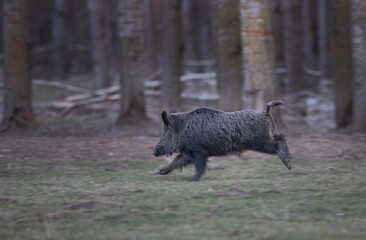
(236, 199)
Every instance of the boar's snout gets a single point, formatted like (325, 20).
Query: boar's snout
(158, 151)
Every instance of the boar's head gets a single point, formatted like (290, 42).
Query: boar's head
(169, 138)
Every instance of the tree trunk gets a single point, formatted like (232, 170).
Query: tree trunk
(112, 39)
(310, 46)
(98, 32)
(258, 51)
(226, 19)
(359, 63)
(152, 21)
(59, 41)
(78, 56)
(294, 45)
(1, 33)
(280, 64)
(341, 61)
(279, 45)
(17, 84)
(172, 48)
(197, 31)
(132, 106)
(323, 38)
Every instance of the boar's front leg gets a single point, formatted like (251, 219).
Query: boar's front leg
(200, 164)
(179, 161)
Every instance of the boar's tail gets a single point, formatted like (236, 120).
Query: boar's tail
(268, 113)
(273, 104)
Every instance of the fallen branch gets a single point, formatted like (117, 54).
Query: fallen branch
(195, 76)
(154, 75)
(152, 84)
(312, 72)
(59, 85)
(76, 105)
(87, 101)
(99, 92)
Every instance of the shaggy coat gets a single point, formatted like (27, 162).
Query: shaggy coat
(207, 132)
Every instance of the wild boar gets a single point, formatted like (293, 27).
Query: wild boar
(205, 132)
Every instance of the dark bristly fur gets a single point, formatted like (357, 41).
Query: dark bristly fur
(181, 161)
(206, 132)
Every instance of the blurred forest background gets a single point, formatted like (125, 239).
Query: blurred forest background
(126, 60)
(82, 86)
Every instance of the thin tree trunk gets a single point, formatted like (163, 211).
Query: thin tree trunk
(98, 32)
(112, 39)
(341, 61)
(307, 15)
(172, 52)
(132, 105)
(151, 13)
(1, 32)
(226, 19)
(294, 45)
(323, 39)
(258, 50)
(310, 47)
(78, 57)
(197, 31)
(17, 84)
(279, 45)
(359, 63)
(58, 41)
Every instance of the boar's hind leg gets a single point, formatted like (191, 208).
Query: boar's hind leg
(179, 161)
(200, 164)
(276, 146)
(282, 150)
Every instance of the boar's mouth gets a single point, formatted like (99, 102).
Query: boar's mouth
(160, 152)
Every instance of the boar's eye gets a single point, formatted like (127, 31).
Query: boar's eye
(164, 129)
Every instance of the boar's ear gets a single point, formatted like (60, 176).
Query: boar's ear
(164, 116)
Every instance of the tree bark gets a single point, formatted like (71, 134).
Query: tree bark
(226, 19)
(1, 33)
(258, 50)
(323, 37)
(358, 11)
(172, 52)
(98, 32)
(17, 84)
(152, 21)
(341, 61)
(280, 64)
(132, 105)
(197, 31)
(59, 41)
(310, 46)
(294, 54)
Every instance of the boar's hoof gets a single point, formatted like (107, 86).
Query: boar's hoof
(287, 163)
(288, 166)
(195, 178)
(164, 171)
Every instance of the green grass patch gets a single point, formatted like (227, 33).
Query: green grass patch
(236, 199)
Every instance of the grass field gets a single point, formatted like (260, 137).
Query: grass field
(236, 199)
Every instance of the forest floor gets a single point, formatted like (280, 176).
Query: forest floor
(87, 180)
(80, 177)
